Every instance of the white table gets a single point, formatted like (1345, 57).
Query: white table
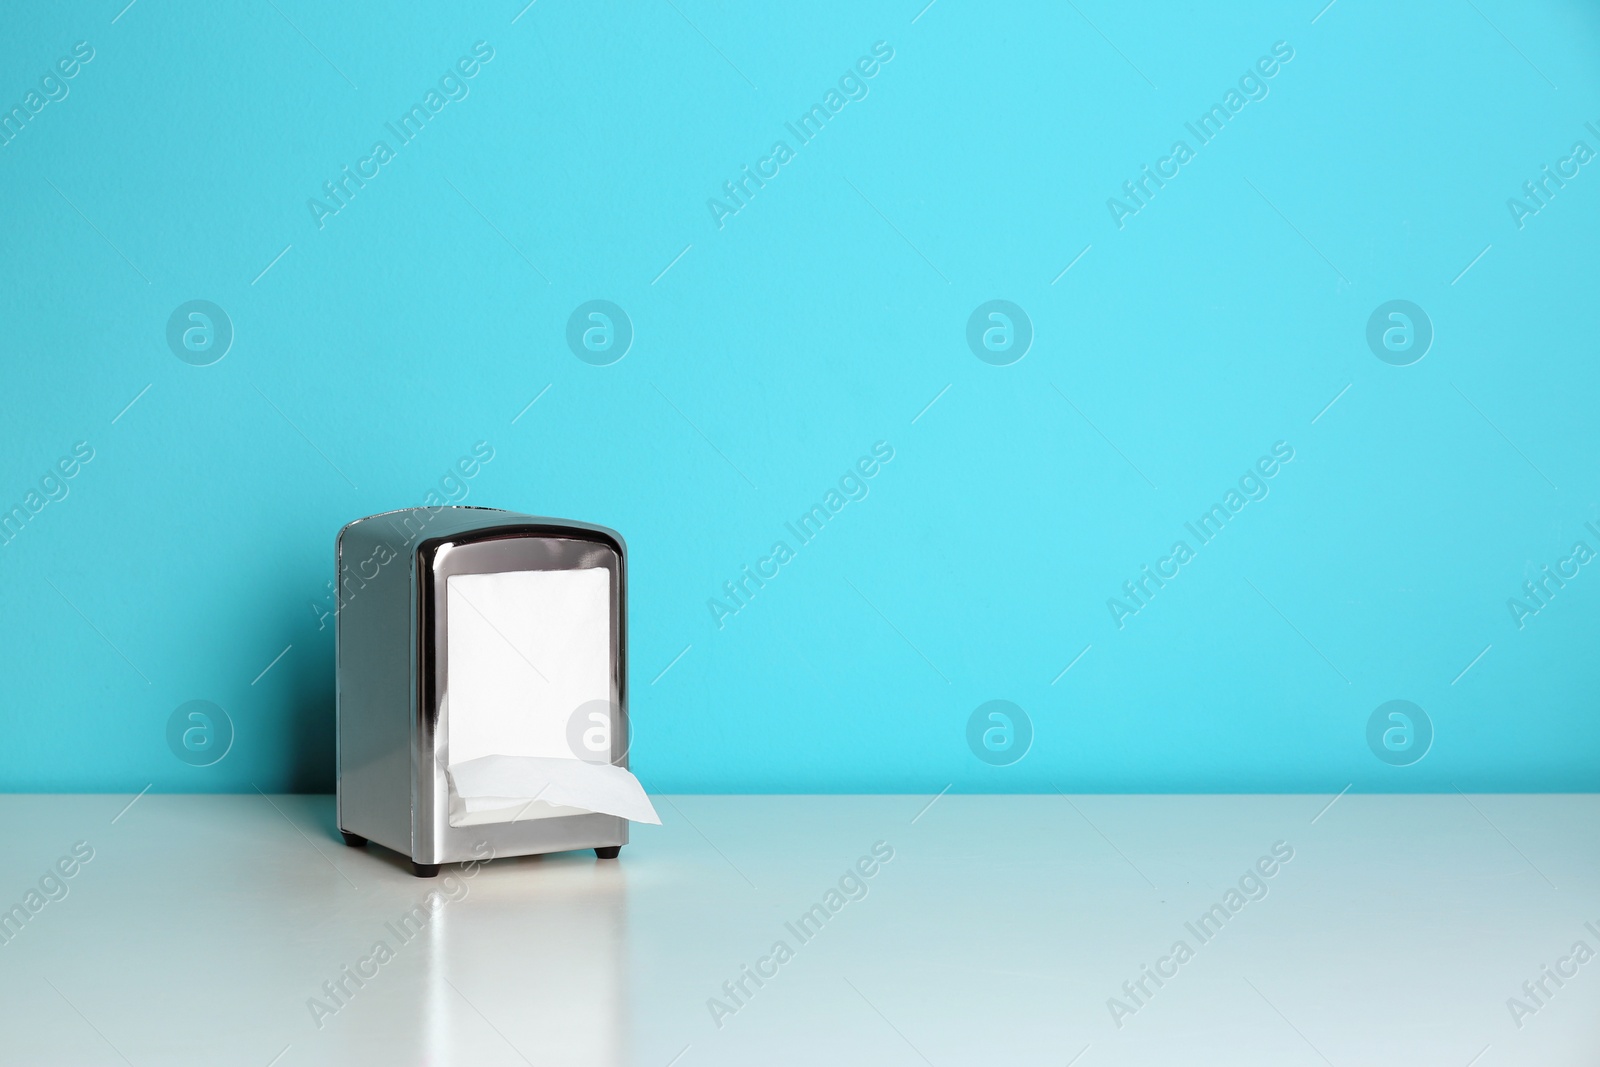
(204, 925)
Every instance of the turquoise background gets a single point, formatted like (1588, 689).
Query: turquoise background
(772, 352)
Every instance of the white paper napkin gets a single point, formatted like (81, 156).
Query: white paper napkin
(527, 651)
(491, 783)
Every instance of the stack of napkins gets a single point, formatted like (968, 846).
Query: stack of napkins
(525, 649)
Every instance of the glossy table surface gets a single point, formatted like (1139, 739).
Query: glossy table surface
(885, 930)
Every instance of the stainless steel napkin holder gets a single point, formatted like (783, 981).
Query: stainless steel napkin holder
(392, 668)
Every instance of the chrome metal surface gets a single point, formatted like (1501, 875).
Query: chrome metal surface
(374, 681)
(392, 638)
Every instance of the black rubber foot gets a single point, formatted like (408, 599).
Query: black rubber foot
(354, 840)
(609, 852)
(424, 870)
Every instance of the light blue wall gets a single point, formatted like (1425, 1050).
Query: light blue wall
(772, 351)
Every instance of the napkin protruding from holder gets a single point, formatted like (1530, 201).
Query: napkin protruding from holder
(511, 783)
